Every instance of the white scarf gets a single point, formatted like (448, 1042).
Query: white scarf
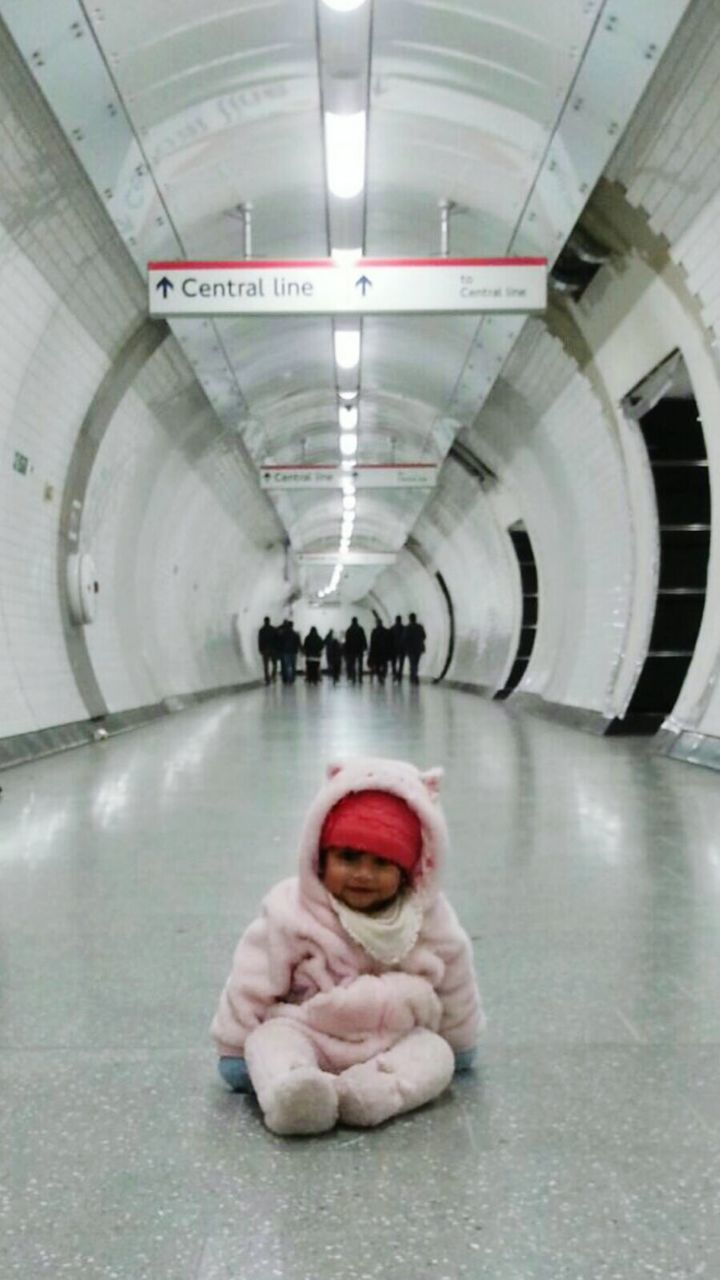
(387, 935)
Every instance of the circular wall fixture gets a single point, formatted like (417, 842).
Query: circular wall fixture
(82, 588)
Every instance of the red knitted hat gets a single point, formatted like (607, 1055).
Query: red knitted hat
(374, 822)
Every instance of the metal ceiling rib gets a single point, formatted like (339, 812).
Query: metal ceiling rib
(181, 112)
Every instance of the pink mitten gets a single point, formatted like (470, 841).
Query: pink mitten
(410, 1002)
(347, 1011)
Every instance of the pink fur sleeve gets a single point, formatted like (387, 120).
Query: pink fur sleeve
(462, 1016)
(261, 975)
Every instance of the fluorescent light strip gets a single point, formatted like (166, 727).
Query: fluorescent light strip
(343, 6)
(345, 153)
(348, 417)
(346, 257)
(347, 348)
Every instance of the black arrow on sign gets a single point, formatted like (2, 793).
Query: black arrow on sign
(166, 285)
(363, 283)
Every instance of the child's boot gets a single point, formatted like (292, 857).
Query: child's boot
(303, 1101)
(295, 1095)
(415, 1070)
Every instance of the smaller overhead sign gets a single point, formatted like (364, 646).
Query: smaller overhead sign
(368, 475)
(350, 558)
(370, 286)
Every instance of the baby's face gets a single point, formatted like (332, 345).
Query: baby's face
(363, 881)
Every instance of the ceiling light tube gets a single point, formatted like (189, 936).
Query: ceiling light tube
(345, 153)
(343, 6)
(346, 257)
(348, 395)
(347, 348)
(347, 484)
(348, 417)
(349, 502)
(348, 444)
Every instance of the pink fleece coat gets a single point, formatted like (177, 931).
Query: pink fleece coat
(297, 962)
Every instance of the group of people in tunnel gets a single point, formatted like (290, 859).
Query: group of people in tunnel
(387, 651)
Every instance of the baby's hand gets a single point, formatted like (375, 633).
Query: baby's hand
(391, 1001)
(411, 1001)
(355, 1007)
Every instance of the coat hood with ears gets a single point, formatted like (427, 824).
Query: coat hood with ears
(368, 773)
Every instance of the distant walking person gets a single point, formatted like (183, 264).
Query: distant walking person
(355, 646)
(379, 651)
(312, 648)
(297, 642)
(267, 644)
(289, 647)
(276, 655)
(333, 653)
(397, 647)
(414, 646)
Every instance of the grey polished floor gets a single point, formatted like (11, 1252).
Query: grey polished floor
(585, 1147)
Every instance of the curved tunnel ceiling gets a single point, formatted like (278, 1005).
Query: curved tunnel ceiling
(180, 115)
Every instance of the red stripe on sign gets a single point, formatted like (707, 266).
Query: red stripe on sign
(315, 263)
(246, 265)
(452, 262)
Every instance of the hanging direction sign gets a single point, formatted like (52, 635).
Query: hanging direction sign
(368, 475)
(346, 557)
(370, 286)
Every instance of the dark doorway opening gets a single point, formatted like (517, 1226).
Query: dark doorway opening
(451, 627)
(664, 407)
(528, 626)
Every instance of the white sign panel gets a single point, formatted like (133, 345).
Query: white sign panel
(370, 286)
(408, 475)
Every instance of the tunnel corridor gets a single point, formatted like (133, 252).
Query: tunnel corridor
(315, 310)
